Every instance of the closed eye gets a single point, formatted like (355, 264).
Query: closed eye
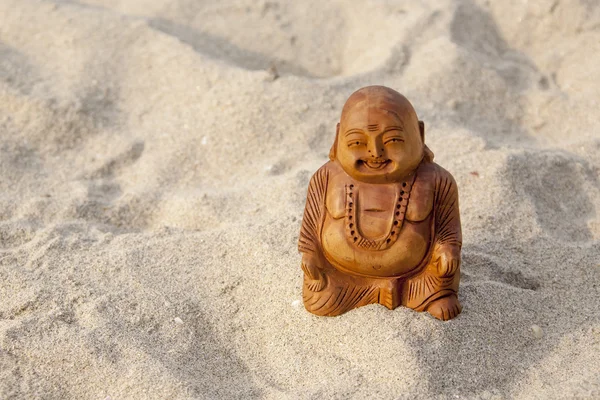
(393, 134)
(395, 139)
(354, 143)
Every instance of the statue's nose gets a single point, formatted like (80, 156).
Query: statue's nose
(375, 150)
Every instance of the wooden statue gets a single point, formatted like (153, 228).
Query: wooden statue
(381, 222)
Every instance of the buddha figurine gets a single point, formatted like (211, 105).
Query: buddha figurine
(381, 222)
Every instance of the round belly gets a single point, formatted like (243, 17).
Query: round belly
(400, 259)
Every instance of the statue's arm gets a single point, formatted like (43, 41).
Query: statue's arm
(309, 243)
(447, 223)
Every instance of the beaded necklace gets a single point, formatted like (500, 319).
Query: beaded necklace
(352, 231)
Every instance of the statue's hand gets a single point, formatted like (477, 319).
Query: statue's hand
(448, 260)
(310, 266)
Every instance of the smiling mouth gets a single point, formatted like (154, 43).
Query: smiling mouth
(376, 164)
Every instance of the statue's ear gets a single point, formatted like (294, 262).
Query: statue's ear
(333, 151)
(428, 154)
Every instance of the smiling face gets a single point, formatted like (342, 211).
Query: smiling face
(378, 137)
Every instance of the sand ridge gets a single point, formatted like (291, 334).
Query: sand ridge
(153, 176)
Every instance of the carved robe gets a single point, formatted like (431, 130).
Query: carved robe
(338, 292)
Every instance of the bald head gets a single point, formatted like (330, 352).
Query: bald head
(379, 97)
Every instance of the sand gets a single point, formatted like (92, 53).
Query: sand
(153, 172)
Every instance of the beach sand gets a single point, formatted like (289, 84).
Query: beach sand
(154, 161)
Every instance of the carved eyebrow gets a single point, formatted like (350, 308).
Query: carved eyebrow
(393, 128)
(353, 130)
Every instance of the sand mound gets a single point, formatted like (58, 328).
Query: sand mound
(153, 175)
